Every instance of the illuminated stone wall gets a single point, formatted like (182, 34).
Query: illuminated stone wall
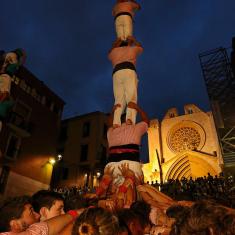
(186, 145)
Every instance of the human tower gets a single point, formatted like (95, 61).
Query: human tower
(124, 170)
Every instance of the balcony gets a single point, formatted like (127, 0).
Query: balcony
(17, 123)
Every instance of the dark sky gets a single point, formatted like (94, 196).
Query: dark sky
(67, 44)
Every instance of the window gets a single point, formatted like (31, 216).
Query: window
(84, 153)
(56, 110)
(86, 129)
(22, 110)
(48, 103)
(3, 178)
(13, 146)
(172, 115)
(65, 173)
(43, 100)
(16, 80)
(105, 130)
(63, 133)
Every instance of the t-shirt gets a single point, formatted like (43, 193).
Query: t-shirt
(124, 54)
(126, 134)
(35, 229)
(129, 7)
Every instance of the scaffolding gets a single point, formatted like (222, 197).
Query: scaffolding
(220, 83)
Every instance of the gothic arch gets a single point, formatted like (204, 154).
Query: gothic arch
(189, 165)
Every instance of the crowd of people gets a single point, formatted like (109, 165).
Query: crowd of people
(49, 213)
(219, 188)
(122, 204)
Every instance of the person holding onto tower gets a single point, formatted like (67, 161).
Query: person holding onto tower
(125, 81)
(9, 65)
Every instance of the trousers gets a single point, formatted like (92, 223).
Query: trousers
(125, 85)
(124, 26)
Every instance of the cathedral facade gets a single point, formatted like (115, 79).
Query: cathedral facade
(183, 146)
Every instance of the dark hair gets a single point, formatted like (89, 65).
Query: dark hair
(143, 210)
(128, 216)
(75, 202)
(95, 221)
(202, 217)
(177, 211)
(45, 198)
(11, 209)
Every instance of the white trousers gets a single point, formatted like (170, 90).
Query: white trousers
(118, 178)
(125, 84)
(124, 26)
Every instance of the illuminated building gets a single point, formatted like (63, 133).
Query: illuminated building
(183, 146)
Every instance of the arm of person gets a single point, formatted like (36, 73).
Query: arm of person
(143, 115)
(56, 224)
(136, 6)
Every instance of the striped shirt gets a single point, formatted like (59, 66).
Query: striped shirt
(128, 7)
(126, 134)
(34, 229)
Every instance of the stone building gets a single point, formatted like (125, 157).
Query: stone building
(83, 146)
(29, 136)
(183, 146)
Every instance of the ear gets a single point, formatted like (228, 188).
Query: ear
(43, 212)
(16, 226)
(131, 226)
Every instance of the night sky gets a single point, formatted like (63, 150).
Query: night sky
(67, 44)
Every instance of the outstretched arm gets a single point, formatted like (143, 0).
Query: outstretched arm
(143, 115)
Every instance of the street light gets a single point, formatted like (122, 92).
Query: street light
(59, 157)
(52, 161)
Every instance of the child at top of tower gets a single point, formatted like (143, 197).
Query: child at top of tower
(123, 13)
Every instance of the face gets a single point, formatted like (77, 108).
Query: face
(153, 216)
(136, 228)
(56, 209)
(11, 58)
(29, 217)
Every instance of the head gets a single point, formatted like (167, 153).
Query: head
(17, 214)
(143, 210)
(133, 221)
(75, 202)
(21, 55)
(203, 218)
(48, 204)
(96, 221)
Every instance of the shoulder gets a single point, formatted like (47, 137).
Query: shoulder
(142, 125)
(38, 229)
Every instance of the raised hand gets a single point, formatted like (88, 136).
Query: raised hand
(126, 171)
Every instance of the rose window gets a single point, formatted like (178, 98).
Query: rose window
(184, 138)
